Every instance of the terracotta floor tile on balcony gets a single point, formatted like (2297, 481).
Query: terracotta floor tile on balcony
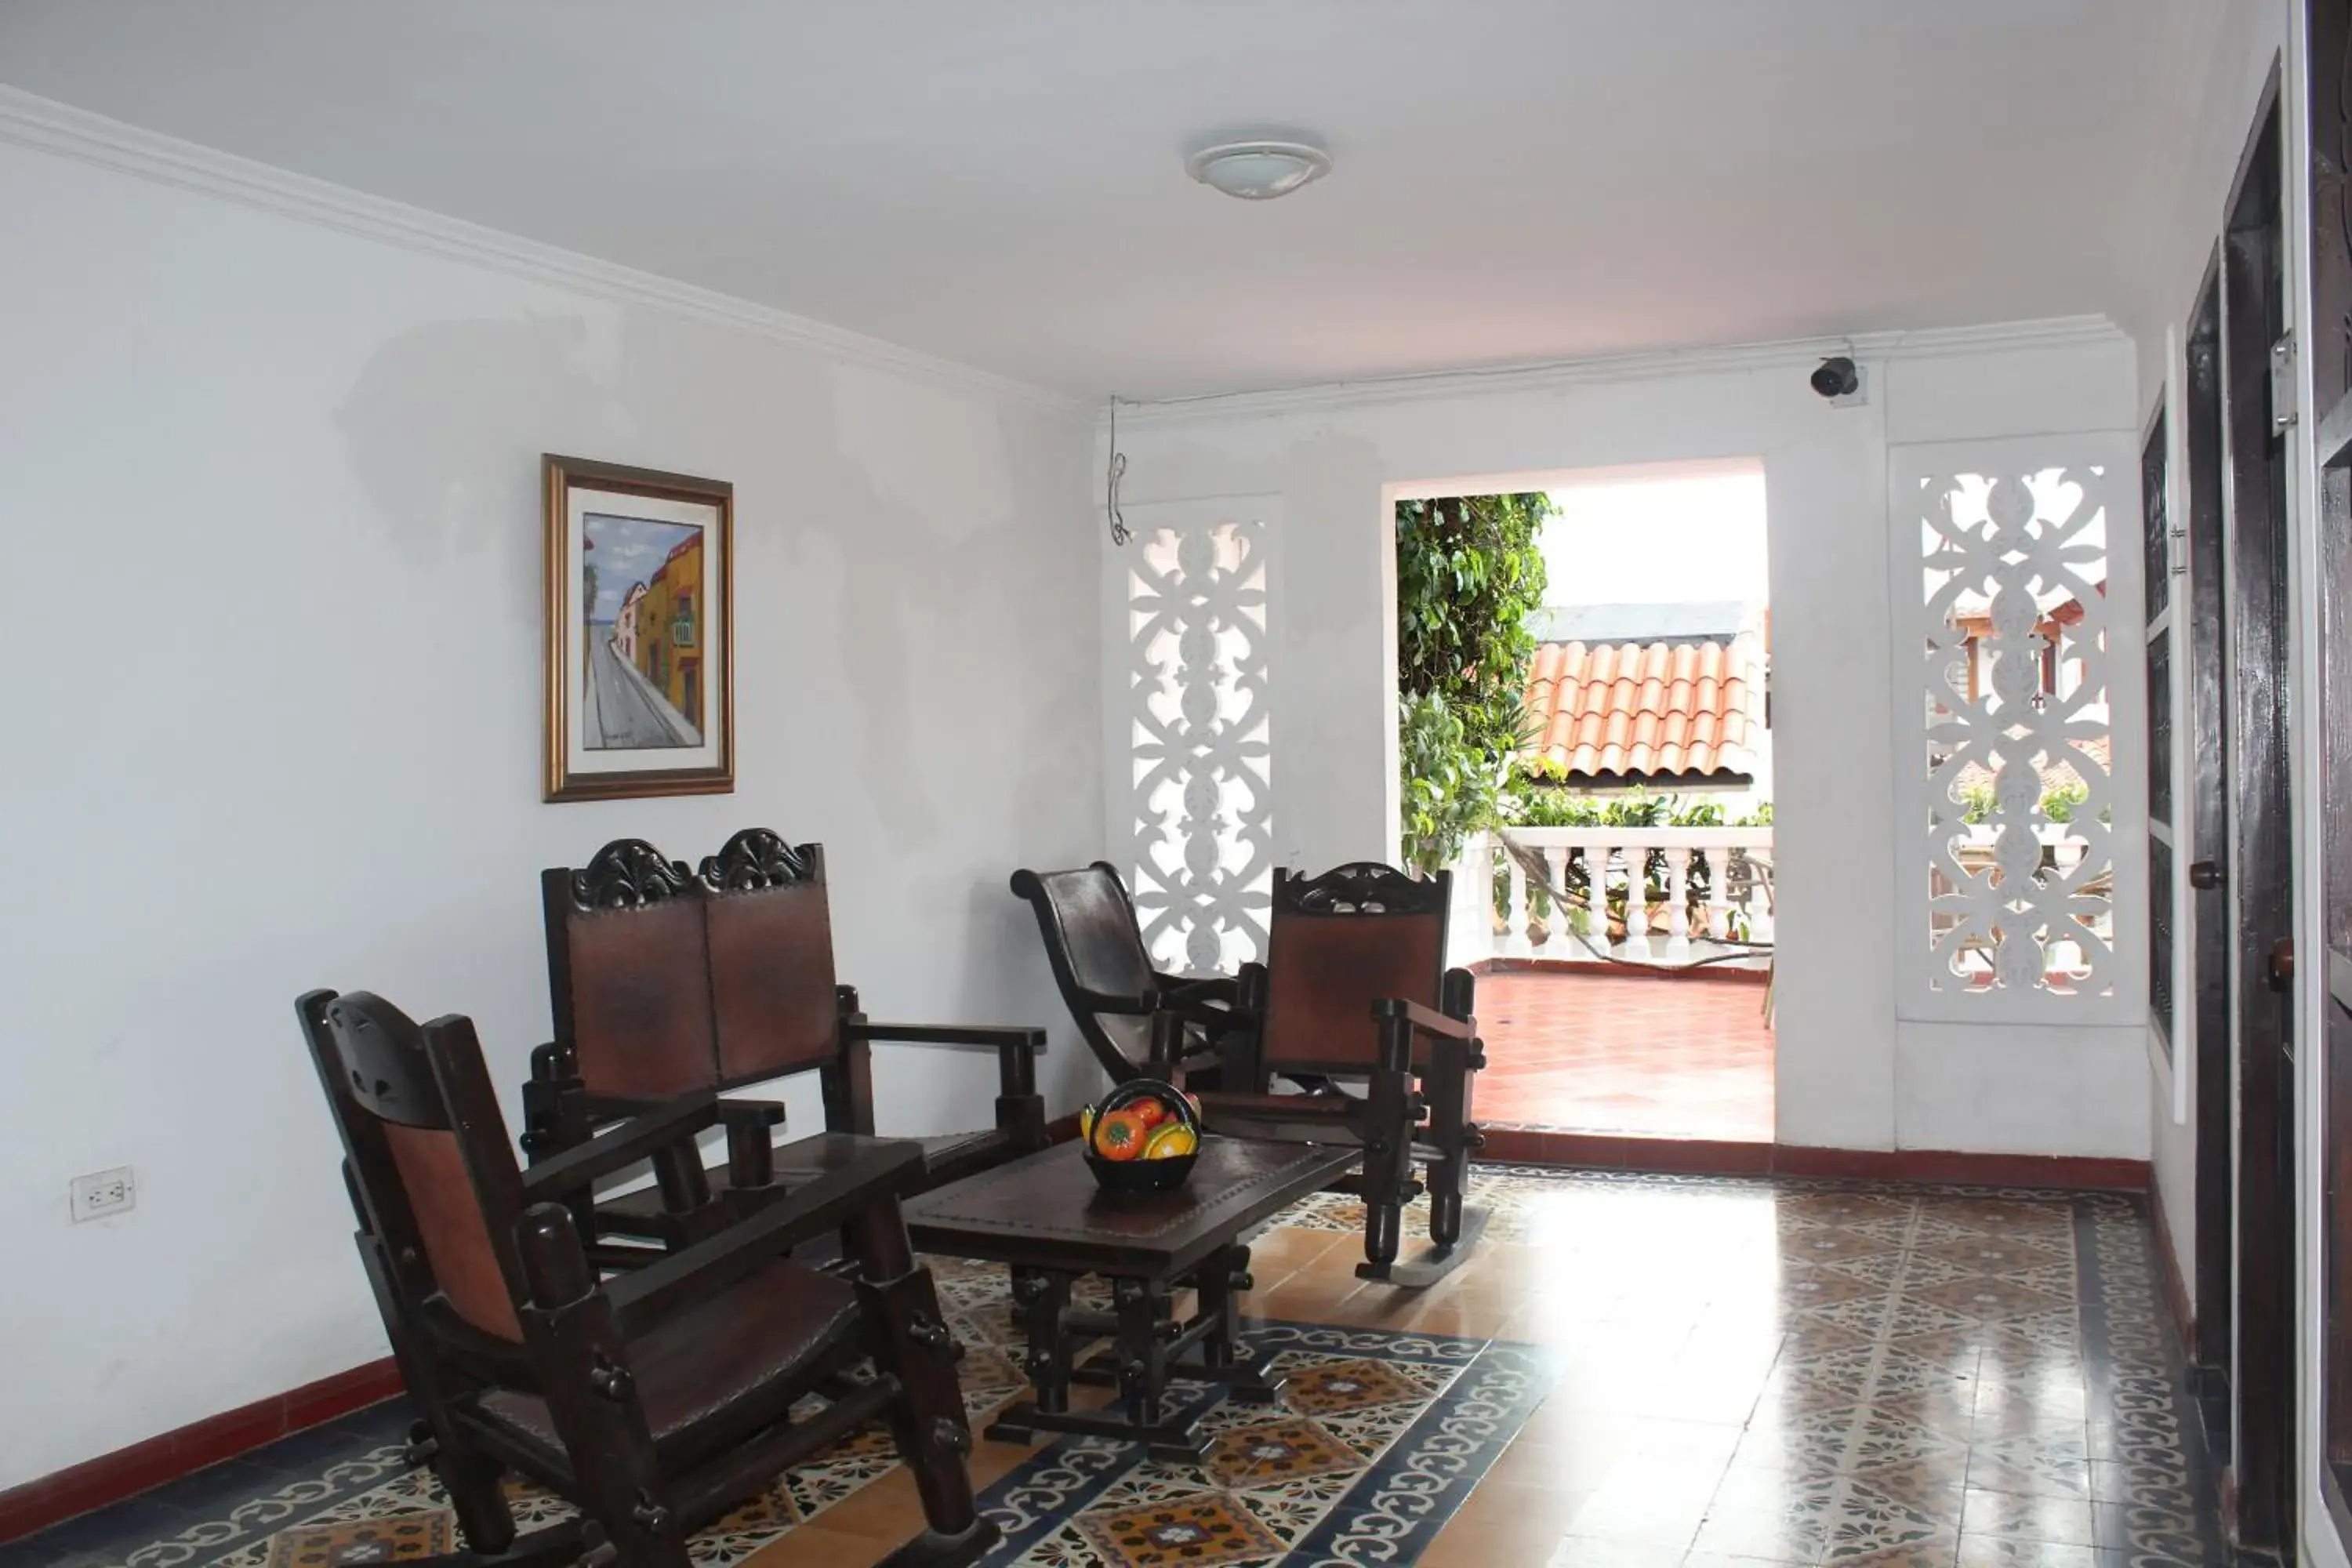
(1643, 1055)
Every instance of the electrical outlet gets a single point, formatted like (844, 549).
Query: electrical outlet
(103, 1193)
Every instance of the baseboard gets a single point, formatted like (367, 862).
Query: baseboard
(126, 1472)
(1063, 1128)
(1536, 1146)
(2176, 1284)
(1614, 1152)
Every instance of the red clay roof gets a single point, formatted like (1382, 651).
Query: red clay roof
(1643, 710)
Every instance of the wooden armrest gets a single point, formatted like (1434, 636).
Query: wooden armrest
(989, 1037)
(642, 1298)
(617, 1148)
(1175, 988)
(1425, 1020)
(1106, 1002)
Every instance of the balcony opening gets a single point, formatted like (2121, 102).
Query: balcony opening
(1612, 865)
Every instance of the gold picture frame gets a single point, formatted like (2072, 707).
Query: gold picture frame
(640, 574)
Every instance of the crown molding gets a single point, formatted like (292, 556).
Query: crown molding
(45, 125)
(2061, 332)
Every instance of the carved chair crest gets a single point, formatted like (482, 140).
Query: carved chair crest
(627, 874)
(1363, 888)
(753, 860)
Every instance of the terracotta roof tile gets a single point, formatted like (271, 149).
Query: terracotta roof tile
(1632, 710)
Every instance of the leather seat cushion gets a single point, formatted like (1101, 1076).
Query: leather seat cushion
(718, 1369)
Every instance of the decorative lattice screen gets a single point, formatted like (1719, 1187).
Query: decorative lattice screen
(1203, 854)
(2006, 640)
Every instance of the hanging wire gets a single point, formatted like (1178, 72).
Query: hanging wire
(1120, 533)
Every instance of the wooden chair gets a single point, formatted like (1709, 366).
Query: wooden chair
(1355, 987)
(658, 1400)
(664, 984)
(1095, 944)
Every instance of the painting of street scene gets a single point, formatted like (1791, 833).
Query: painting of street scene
(643, 610)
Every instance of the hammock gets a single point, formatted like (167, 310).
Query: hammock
(1539, 870)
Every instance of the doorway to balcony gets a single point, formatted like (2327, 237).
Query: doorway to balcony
(1618, 904)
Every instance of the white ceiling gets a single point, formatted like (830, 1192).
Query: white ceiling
(1000, 182)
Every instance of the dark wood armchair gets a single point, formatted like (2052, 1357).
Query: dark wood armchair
(1095, 945)
(664, 982)
(655, 1401)
(1355, 988)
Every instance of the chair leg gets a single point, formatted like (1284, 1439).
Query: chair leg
(1449, 1125)
(1453, 1226)
(927, 1420)
(1388, 1149)
(471, 1479)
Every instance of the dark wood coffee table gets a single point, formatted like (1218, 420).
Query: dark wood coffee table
(1046, 1216)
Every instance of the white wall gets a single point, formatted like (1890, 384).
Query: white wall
(1847, 1075)
(272, 493)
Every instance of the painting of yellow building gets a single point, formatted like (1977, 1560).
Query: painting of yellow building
(669, 647)
(647, 605)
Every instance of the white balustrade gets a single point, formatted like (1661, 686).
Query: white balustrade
(1613, 912)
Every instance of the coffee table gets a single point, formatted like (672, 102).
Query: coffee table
(1045, 1215)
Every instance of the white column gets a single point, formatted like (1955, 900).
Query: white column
(1596, 896)
(1677, 902)
(1637, 900)
(1558, 941)
(1514, 908)
(1718, 893)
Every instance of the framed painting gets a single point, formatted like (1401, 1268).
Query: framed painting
(640, 632)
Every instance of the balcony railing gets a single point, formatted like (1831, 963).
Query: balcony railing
(1700, 889)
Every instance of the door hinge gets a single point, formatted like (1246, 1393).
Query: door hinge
(2284, 409)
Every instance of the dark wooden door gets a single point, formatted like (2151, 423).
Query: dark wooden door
(2261, 879)
(2330, 105)
(2205, 730)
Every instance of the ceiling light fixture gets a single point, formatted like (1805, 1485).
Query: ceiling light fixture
(1258, 171)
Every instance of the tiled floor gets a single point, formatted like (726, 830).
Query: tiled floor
(1740, 1372)
(1626, 1054)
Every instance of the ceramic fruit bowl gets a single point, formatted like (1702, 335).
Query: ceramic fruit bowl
(1144, 1137)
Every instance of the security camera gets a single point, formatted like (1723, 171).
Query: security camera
(1837, 378)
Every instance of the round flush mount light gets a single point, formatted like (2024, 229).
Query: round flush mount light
(1258, 171)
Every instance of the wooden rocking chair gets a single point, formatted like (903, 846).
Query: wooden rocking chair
(1355, 987)
(1095, 945)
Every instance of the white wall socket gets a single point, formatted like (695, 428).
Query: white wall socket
(103, 1193)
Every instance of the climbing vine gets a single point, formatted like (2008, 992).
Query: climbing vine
(1468, 572)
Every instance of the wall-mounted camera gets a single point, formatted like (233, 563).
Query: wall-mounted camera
(1837, 377)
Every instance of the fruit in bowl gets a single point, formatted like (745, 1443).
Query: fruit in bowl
(1142, 1137)
(1120, 1135)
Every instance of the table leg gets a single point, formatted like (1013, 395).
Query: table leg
(1222, 1282)
(1142, 1360)
(1041, 1297)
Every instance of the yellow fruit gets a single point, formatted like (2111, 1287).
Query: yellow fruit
(1170, 1142)
(1085, 1123)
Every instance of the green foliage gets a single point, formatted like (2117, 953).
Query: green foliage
(1468, 572)
(1450, 786)
(2058, 803)
(1531, 801)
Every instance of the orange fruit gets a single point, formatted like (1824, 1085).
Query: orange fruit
(1148, 1110)
(1119, 1135)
